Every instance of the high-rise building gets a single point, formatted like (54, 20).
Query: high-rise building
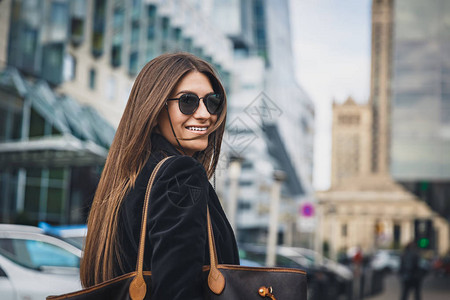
(93, 50)
(71, 64)
(270, 113)
(380, 83)
(420, 105)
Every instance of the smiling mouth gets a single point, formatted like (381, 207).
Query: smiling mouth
(197, 129)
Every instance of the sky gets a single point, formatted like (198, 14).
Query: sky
(331, 44)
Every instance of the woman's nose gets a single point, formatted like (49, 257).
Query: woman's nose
(202, 112)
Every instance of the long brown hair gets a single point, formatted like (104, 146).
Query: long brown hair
(131, 149)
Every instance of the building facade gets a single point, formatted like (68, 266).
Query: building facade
(94, 49)
(52, 150)
(270, 122)
(351, 141)
(80, 56)
(421, 92)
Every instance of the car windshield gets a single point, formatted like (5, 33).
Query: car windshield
(36, 254)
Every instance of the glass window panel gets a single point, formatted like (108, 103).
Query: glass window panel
(45, 254)
(55, 201)
(56, 173)
(135, 33)
(3, 126)
(34, 173)
(116, 55)
(165, 27)
(151, 32)
(133, 63)
(58, 20)
(98, 27)
(151, 11)
(92, 79)
(32, 199)
(37, 125)
(55, 131)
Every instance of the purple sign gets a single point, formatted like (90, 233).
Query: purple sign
(307, 210)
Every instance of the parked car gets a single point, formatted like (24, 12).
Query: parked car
(386, 260)
(73, 234)
(34, 265)
(342, 274)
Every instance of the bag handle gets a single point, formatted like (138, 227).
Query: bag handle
(216, 280)
(138, 288)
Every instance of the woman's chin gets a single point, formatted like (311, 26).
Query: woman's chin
(190, 148)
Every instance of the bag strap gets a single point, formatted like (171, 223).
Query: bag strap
(216, 281)
(138, 288)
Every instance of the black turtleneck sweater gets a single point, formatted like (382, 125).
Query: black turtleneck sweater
(176, 245)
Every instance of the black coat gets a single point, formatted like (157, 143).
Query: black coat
(176, 245)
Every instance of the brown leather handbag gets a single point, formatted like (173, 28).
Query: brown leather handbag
(222, 282)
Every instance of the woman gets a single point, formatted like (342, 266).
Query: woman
(177, 107)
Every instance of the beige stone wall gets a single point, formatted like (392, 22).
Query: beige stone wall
(361, 211)
(351, 141)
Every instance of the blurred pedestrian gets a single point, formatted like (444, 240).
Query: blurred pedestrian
(177, 108)
(357, 261)
(411, 274)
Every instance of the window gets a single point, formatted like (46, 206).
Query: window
(165, 27)
(133, 66)
(37, 125)
(35, 254)
(111, 88)
(344, 230)
(92, 79)
(77, 21)
(69, 67)
(117, 37)
(44, 193)
(135, 33)
(10, 117)
(58, 21)
(116, 55)
(98, 30)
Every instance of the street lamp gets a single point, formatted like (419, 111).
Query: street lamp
(279, 177)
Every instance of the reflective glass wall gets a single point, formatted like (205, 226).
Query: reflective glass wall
(420, 114)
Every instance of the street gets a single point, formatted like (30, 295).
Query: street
(434, 288)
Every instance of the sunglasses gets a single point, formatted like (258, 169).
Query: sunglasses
(188, 103)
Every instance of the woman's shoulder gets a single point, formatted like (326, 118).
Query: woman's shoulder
(183, 180)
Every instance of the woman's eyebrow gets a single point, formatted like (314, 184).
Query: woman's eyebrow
(186, 92)
(191, 92)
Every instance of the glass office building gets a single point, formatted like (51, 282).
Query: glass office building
(420, 114)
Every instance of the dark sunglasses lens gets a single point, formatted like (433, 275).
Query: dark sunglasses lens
(188, 104)
(213, 103)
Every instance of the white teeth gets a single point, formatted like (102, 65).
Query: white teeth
(197, 128)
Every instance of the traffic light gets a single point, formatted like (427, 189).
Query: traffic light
(423, 233)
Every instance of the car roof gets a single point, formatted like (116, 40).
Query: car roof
(9, 231)
(20, 228)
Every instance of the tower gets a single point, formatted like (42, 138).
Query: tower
(380, 91)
